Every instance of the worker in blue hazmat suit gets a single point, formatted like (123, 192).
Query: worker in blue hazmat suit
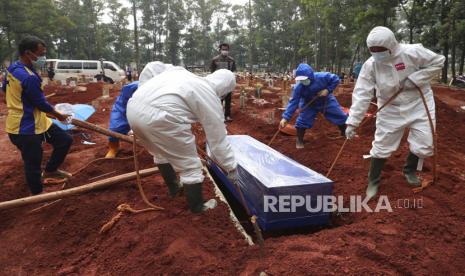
(161, 113)
(118, 121)
(393, 67)
(317, 87)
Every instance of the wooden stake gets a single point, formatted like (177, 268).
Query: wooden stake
(75, 191)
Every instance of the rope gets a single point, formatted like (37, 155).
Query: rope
(435, 145)
(253, 218)
(139, 185)
(124, 207)
(363, 122)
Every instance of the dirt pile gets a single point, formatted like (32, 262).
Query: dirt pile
(63, 238)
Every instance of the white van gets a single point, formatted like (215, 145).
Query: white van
(89, 69)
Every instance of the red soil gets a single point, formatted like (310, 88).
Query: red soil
(64, 238)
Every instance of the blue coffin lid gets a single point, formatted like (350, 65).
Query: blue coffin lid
(270, 167)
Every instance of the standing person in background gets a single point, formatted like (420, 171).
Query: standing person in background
(27, 123)
(50, 72)
(129, 73)
(224, 61)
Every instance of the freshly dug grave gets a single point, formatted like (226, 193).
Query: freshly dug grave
(64, 238)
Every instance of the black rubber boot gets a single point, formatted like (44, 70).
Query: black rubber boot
(195, 198)
(342, 128)
(374, 176)
(299, 144)
(410, 169)
(171, 180)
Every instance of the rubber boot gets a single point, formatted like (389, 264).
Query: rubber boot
(113, 148)
(410, 169)
(299, 144)
(170, 178)
(342, 128)
(374, 176)
(195, 198)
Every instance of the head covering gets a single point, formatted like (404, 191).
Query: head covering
(222, 81)
(303, 72)
(152, 69)
(382, 37)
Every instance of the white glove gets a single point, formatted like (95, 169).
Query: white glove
(283, 123)
(350, 132)
(233, 176)
(323, 93)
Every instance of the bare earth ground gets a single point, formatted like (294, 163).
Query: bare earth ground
(64, 238)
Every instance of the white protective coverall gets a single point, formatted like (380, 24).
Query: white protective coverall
(161, 113)
(408, 62)
(152, 69)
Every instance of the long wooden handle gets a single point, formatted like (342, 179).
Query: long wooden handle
(101, 130)
(75, 191)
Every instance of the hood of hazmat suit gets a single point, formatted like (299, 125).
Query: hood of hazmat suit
(222, 81)
(152, 69)
(408, 65)
(304, 70)
(163, 109)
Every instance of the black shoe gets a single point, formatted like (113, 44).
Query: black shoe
(300, 138)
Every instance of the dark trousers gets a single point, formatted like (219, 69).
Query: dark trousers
(227, 105)
(30, 147)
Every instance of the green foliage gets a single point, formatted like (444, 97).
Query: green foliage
(272, 34)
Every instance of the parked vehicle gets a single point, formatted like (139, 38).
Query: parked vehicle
(90, 69)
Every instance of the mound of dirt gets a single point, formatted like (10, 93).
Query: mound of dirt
(64, 238)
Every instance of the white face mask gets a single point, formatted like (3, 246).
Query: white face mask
(224, 52)
(305, 82)
(381, 56)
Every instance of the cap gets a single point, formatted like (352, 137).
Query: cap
(299, 78)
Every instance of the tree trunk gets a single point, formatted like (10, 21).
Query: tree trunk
(444, 12)
(136, 36)
(462, 57)
(446, 62)
(357, 49)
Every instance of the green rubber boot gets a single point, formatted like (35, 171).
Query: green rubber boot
(195, 198)
(410, 169)
(171, 180)
(299, 144)
(374, 176)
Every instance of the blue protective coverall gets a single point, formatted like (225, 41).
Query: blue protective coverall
(302, 94)
(118, 120)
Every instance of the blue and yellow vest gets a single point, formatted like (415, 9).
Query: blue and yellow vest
(23, 115)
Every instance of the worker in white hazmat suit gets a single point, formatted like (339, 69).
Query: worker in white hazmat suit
(393, 67)
(152, 69)
(118, 121)
(161, 113)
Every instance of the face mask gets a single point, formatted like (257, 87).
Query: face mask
(40, 62)
(305, 82)
(380, 56)
(224, 52)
